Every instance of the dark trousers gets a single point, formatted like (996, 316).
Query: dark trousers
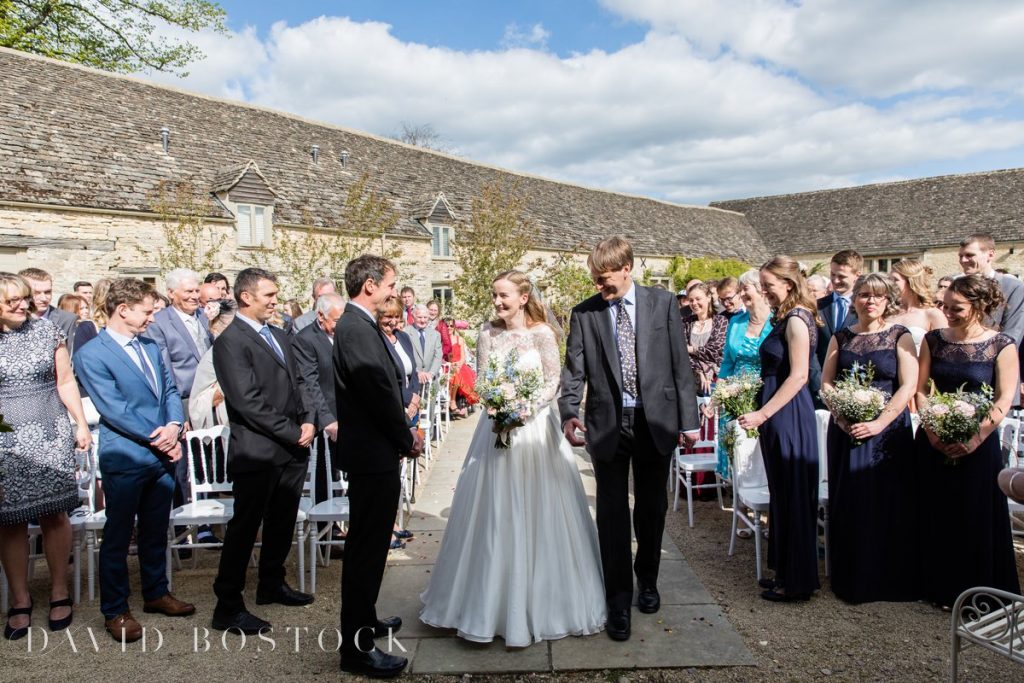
(373, 504)
(144, 493)
(269, 498)
(650, 472)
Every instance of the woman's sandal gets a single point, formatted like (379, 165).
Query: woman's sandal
(61, 624)
(18, 633)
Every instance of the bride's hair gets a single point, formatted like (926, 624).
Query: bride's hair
(534, 309)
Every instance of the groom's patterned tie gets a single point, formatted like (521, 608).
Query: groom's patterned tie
(626, 340)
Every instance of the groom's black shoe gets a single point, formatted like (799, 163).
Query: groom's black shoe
(648, 601)
(618, 624)
(283, 595)
(376, 663)
(387, 626)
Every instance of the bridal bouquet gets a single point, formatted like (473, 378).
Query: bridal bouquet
(737, 395)
(853, 398)
(509, 388)
(956, 416)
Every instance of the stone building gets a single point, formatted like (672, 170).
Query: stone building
(84, 155)
(924, 218)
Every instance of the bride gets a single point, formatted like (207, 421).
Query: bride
(520, 557)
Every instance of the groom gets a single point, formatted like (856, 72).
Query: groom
(626, 344)
(373, 435)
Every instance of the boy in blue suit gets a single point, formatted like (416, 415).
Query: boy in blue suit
(140, 422)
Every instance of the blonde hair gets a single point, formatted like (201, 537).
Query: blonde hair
(787, 268)
(613, 253)
(7, 280)
(534, 309)
(99, 302)
(391, 308)
(919, 280)
(879, 285)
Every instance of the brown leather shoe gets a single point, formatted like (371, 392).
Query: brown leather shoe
(124, 627)
(169, 606)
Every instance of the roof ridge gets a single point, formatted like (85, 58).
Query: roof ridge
(890, 183)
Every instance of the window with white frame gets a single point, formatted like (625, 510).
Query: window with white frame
(253, 225)
(441, 241)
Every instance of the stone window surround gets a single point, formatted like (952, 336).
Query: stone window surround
(435, 248)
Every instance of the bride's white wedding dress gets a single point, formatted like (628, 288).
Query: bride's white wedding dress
(520, 556)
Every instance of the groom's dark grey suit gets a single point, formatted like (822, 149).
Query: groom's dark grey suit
(617, 436)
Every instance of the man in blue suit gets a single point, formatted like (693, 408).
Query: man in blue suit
(183, 332)
(835, 310)
(140, 420)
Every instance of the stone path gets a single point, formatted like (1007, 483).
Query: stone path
(689, 630)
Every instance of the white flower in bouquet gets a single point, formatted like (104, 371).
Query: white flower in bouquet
(737, 395)
(509, 388)
(853, 398)
(956, 416)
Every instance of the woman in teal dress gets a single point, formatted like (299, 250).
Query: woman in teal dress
(747, 329)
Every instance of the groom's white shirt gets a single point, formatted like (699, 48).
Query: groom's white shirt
(629, 301)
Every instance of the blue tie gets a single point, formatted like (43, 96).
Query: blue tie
(265, 333)
(423, 342)
(137, 348)
(840, 311)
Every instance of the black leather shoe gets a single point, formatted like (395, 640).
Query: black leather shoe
(240, 622)
(388, 625)
(376, 663)
(648, 601)
(772, 596)
(768, 584)
(618, 624)
(283, 595)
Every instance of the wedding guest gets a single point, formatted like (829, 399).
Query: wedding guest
(37, 466)
(321, 286)
(940, 290)
(41, 283)
(75, 305)
(88, 329)
(684, 305)
(977, 253)
(743, 338)
(917, 311)
(438, 323)
(206, 407)
(871, 481)
(222, 283)
(160, 302)
(819, 286)
(389, 314)
(462, 386)
(408, 295)
(728, 291)
(704, 332)
(83, 288)
(789, 441)
(966, 540)
(139, 430)
(834, 309)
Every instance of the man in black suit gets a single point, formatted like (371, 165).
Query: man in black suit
(626, 345)
(835, 310)
(314, 347)
(271, 429)
(373, 435)
(41, 283)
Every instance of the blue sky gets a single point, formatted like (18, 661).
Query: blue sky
(574, 25)
(689, 101)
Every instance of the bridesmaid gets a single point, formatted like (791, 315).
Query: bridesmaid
(965, 536)
(917, 311)
(789, 443)
(871, 511)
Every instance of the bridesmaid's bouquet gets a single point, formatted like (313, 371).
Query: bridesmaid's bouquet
(509, 388)
(956, 416)
(737, 395)
(853, 399)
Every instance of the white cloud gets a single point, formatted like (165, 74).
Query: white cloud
(667, 117)
(536, 36)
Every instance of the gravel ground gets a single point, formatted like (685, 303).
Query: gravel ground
(823, 639)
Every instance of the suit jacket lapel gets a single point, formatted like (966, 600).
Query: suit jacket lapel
(262, 343)
(603, 320)
(643, 307)
(122, 355)
(183, 331)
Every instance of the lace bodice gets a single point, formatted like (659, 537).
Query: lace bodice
(775, 349)
(970, 364)
(877, 348)
(538, 341)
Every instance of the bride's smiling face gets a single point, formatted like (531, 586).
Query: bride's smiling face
(507, 299)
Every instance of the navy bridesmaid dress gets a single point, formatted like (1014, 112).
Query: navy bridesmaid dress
(872, 513)
(964, 519)
(789, 446)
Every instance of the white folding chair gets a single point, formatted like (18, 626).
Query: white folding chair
(750, 497)
(822, 418)
(703, 457)
(444, 420)
(1010, 441)
(207, 454)
(333, 509)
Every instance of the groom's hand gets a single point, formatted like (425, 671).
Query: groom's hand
(569, 430)
(689, 438)
(417, 443)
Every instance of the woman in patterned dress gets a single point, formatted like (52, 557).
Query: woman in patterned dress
(37, 458)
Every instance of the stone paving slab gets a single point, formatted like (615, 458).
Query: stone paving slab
(457, 656)
(677, 636)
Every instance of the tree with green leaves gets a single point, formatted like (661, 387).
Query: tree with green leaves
(566, 282)
(114, 35)
(299, 256)
(188, 241)
(495, 238)
(682, 269)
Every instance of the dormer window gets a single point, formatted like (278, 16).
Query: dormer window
(253, 225)
(441, 241)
